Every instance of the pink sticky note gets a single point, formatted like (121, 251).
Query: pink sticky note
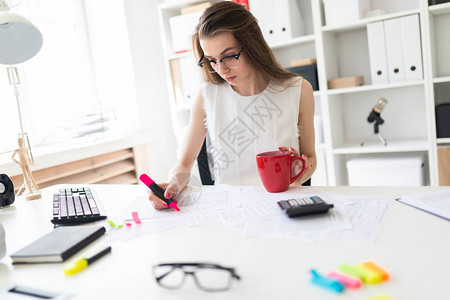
(136, 217)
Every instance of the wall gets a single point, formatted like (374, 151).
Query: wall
(151, 86)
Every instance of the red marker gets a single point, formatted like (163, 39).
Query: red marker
(158, 191)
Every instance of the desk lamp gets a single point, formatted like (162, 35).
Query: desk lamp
(20, 40)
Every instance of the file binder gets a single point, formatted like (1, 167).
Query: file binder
(288, 20)
(181, 29)
(186, 80)
(190, 80)
(264, 12)
(377, 53)
(279, 20)
(394, 50)
(412, 50)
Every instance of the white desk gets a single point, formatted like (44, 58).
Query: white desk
(413, 245)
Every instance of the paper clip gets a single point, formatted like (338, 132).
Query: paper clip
(327, 283)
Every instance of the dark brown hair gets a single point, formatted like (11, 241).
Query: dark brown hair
(232, 17)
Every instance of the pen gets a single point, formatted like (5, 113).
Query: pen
(158, 191)
(81, 264)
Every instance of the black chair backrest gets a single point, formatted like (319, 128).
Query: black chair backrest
(203, 166)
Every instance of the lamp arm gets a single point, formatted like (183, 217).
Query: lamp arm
(14, 79)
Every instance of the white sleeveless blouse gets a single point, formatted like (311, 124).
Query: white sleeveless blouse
(240, 127)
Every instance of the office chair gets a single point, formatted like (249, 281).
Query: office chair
(203, 166)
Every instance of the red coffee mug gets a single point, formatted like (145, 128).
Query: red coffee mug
(275, 169)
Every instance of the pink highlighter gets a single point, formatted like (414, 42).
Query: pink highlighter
(346, 280)
(158, 191)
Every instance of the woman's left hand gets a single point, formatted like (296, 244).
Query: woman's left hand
(297, 166)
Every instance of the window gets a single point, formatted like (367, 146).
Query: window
(81, 84)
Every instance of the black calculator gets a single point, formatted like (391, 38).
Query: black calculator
(304, 206)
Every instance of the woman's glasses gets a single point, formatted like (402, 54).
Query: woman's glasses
(208, 277)
(230, 62)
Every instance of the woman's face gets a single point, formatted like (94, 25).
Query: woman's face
(221, 45)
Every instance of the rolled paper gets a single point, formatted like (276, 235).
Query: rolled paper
(377, 269)
(347, 280)
(327, 283)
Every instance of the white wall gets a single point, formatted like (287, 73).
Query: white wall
(151, 86)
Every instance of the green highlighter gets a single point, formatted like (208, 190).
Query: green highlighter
(366, 275)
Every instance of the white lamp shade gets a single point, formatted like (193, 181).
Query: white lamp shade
(20, 40)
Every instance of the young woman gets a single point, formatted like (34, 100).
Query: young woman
(248, 103)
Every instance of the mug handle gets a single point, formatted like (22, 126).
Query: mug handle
(303, 168)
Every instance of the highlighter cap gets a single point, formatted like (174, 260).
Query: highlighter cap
(146, 179)
(76, 267)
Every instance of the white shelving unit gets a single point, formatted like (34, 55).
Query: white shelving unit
(342, 51)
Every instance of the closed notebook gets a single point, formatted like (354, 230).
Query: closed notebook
(58, 245)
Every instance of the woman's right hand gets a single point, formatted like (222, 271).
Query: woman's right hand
(171, 190)
(156, 202)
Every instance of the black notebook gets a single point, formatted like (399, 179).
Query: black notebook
(58, 245)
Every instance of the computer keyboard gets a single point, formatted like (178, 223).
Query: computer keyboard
(76, 206)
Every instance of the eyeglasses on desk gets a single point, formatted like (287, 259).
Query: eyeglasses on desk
(208, 277)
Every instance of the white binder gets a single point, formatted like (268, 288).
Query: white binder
(279, 20)
(288, 20)
(264, 13)
(394, 50)
(181, 29)
(412, 50)
(190, 79)
(377, 53)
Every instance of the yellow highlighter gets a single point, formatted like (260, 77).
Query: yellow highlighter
(81, 264)
(369, 276)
